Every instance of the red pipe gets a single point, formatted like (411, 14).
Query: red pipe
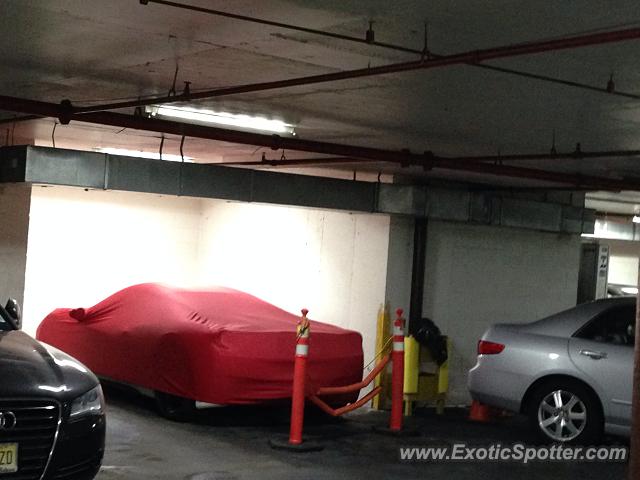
(551, 156)
(347, 408)
(25, 118)
(304, 162)
(296, 162)
(424, 52)
(33, 107)
(474, 56)
(356, 386)
(404, 158)
(286, 26)
(535, 174)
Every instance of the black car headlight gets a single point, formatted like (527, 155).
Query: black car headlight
(90, 403)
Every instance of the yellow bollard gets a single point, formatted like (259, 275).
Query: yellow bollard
(382, 333)
(443, 375)
(411, 365)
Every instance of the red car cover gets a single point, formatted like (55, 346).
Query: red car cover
(217, 345)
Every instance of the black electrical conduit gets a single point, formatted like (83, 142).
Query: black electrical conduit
(418, 270)
(463, 58)
(285, 26)
(424, 53)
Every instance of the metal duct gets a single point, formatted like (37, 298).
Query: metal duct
(49, 166)
(363, 154)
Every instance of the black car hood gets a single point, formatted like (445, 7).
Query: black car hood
(29, 368)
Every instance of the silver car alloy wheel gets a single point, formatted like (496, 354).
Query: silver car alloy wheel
(562, 416)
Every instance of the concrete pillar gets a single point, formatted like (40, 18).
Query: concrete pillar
(15, 201)
(399, 263)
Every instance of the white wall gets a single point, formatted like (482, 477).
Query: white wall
(623, 261)
(477, 276)
(85, 245)
(332, 263)
(14, 227)
(623, 270)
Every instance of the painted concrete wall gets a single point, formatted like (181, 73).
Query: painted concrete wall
(624, 260)
(400, 264)
(332, 263)
(14, 227)
(85, 245)
(477, 276)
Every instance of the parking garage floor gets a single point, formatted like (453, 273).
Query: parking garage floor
(232, 444)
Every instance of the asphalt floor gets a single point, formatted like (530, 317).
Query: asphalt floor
(232, 443)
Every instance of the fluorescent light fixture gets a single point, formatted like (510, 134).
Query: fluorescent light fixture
(635, 219)
(222, 118)
(141, 154)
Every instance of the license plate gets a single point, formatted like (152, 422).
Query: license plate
(8, 457)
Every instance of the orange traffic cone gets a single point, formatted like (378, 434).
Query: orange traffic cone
(479, 412)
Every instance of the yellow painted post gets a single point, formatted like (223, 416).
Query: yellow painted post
(443, 377)
(382, 333)
(411, 373)
(411, 365)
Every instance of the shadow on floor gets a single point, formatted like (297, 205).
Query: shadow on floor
(231, 443)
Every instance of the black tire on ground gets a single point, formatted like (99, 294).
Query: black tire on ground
(579, 406)
(175, 408)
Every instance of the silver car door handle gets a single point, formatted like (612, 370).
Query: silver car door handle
(594, 355)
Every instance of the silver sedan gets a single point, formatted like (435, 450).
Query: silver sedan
(571, 373)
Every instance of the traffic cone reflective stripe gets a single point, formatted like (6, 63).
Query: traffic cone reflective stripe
(302, 346)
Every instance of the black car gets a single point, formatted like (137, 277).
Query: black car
(52, 422)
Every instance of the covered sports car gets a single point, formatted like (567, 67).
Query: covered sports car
(217, 346)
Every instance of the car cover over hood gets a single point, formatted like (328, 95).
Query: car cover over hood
(217, 345)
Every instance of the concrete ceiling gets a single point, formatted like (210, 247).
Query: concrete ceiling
(92, 51)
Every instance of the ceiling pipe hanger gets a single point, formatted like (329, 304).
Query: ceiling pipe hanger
(473, 56)
(576, 154)
(404, 158)
(370, 40)
(267, 162)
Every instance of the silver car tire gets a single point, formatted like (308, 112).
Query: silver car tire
(567, 412)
